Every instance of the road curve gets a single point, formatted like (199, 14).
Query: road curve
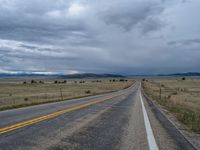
(118, 120)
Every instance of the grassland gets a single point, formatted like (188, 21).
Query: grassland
(19, 93)
(178, 96)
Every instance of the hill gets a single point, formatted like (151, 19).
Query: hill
(92, 75)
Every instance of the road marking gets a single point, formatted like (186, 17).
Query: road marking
(150, 136)
(52, 115)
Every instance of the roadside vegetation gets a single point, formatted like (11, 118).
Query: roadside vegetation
(180, 96)
(19, 93)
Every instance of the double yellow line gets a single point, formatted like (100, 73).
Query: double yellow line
(52, 115)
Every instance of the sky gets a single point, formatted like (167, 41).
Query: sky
(106, 36)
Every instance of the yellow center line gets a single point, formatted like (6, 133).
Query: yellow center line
(52, 115)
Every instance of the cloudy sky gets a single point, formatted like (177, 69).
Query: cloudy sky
(100, 36)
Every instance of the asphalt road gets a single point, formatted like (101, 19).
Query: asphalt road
(118, 120)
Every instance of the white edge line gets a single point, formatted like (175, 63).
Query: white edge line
(150, 136)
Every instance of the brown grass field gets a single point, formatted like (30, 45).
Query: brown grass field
(14, 93)
(180, 97)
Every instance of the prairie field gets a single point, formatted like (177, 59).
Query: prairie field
(179, 96)
(19, 93)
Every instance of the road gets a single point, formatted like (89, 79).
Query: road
(118, 120)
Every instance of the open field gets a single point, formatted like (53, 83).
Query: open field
(180, 97)
(16, 93)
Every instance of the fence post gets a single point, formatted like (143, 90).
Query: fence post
(61, 95)
(160, 92)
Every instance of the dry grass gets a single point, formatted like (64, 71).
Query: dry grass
(16, 94)
(181, 97)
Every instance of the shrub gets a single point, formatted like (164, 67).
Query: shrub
(87, 92)
(26, 99)
(183, 78)
(41, 82)
(33, 81)
(174, 93)
(56, 82)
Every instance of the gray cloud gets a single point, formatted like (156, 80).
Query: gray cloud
(124, 36)
(130, 13)
(185, 42)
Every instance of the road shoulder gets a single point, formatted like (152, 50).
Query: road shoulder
(169, 127)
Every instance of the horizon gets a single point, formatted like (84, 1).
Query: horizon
(18, 73)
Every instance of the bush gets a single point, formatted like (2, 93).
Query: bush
(33, 81)
(26, 99)
(41, 82)
(87, 92)
(183, 78)
(174, 93)
(56, 82)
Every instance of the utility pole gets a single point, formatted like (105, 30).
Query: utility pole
(61, 95)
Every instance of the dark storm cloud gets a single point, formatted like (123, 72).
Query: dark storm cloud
(124, 36)
(129, 13)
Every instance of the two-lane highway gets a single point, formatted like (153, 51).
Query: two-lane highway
(118, 120)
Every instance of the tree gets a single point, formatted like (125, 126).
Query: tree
(33, 81)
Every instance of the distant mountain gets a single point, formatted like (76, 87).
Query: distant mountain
(24, 74)
(182, 74)
(27, 76)
(69, 76)
(92, 75)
